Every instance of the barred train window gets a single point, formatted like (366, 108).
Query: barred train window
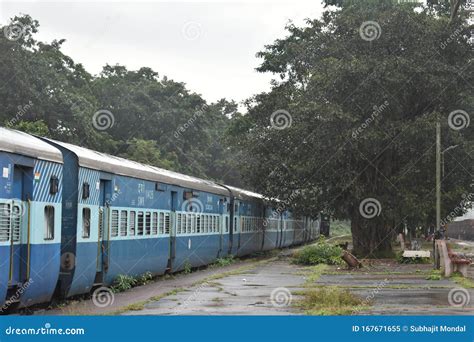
(132, 222)
(167, 223)
(154, 224)
(86, 223)
(188, 224)
(115, 222)
(198, 223)
(49, 222)
(4, 222)
(178, 224)
(162, 223)
(147, 223)
(140, 223)
(123, 222)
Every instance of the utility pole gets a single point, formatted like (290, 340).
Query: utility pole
(438, 175)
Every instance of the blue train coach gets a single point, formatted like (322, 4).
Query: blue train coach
(72, 218)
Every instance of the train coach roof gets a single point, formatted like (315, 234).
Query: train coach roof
(27, 145)
(116, 165)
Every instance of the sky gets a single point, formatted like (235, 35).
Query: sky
(210, 46)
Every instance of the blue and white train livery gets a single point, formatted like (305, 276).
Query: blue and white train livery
(72, 218)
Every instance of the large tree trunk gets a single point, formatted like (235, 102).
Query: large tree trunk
(371, 238)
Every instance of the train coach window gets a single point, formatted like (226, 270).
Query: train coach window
(49, 222)
(154, 224)
(178, 224)
(147, 223)
(114, 223)
(167, 223)
(132, 222)
(162, 223)
(85, 191)
(86, 223)
(53, 185)
(123, 222)
(140, 223)
(198, 223)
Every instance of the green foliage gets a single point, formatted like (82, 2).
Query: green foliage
(364, 117)
(32, 127)
(145, 278)
(331, 301)
(188, 268)
(123, 283)
(319, 253)
(226, 261)
(155, 119)
(434, 275)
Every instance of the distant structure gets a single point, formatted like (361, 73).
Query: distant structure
(462, 230)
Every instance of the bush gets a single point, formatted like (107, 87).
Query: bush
(226, 261)
(319, 253)
(123, 282)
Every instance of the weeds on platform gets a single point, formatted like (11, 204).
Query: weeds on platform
(330, 300)
(320, 253)
(125, 282)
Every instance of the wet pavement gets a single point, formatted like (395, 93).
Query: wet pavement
(246, 293)
(268, 286)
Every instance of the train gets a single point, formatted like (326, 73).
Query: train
(72, 219)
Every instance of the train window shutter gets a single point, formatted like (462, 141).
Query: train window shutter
(85, 191)
(53, 185)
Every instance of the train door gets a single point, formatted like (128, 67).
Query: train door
(19, 223)
(172, 254)
(105, 188)
(222, 211)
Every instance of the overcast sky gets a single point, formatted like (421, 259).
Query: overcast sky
(210, 46)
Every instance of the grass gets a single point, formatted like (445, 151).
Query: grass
(330, 300)
(434, 275)
(315, 272)
(462, 281)
(226, 261)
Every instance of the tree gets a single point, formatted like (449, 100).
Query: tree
(358, 97)
(133, 113)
